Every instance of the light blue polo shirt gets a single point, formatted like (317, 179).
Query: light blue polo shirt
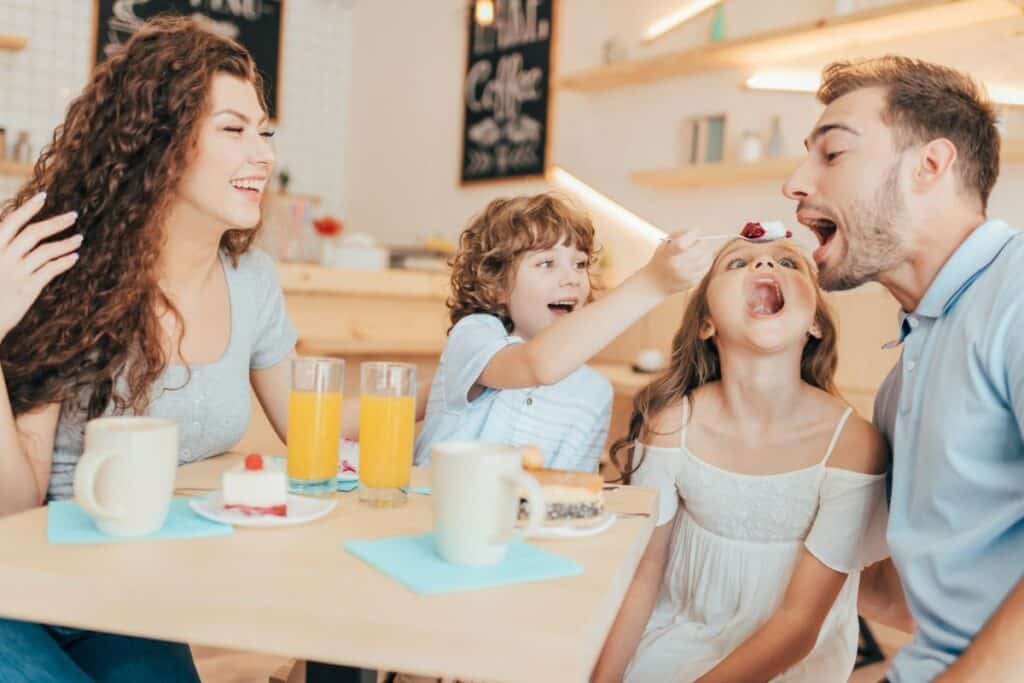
(953, 412)
(567, 420)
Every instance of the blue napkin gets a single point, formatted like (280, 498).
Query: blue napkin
(67, 523)
(413, 562)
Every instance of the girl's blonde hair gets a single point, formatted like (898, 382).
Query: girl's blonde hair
(695, 362)
(491, 247)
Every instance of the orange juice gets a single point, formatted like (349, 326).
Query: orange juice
(385, 440)
(314, 433)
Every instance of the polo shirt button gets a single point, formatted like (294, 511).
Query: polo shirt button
(914, 322)
(529, 401)
(911, 365)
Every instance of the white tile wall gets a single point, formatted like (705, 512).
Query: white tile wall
(37, 83)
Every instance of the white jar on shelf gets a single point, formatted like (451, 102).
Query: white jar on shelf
(355, 251)
(751, 147)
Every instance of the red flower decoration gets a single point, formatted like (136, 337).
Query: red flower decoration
(328, 226)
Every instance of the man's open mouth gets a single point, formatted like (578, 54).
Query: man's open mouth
(824, 229)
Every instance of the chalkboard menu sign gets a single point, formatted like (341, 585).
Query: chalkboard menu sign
(256, 24)
(505, 92)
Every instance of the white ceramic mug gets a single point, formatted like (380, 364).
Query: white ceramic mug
(475, 493)
(125, 477)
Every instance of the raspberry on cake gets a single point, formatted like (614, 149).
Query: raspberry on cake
(568, 495)
(254, 489)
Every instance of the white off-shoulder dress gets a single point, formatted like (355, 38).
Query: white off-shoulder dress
(734, 546)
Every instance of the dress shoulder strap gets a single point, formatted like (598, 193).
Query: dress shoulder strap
(836, 433)
(686, 409)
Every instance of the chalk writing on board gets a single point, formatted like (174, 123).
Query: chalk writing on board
(255, 24)
(505, 92)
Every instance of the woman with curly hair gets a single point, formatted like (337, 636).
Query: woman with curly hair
(131, 287)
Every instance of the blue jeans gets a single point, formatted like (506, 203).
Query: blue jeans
(36, 653)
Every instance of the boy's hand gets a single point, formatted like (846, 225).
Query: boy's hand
(679, 262)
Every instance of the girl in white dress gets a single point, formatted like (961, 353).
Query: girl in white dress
(771, 492)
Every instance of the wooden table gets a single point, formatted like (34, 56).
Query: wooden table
(295, 592)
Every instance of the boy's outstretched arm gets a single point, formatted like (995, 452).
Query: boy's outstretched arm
(678, 264)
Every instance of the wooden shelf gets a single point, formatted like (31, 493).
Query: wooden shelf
(893, 22)
(14, 168)
(13, 42)
(310, 278)
(736, 173)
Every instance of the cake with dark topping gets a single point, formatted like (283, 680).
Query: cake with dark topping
(567, 495)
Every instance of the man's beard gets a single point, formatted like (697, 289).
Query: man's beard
(873, 242)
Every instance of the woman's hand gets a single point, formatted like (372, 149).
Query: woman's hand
(26, 266)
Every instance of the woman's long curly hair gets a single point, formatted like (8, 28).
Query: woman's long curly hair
(93, 337)
(695, 362)
(495, 241)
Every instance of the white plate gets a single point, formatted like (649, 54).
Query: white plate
(300, 510)
(593, 527)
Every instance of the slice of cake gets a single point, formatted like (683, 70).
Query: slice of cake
(568, 495)
(255, 489)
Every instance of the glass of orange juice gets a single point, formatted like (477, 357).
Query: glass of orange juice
(387, 413)
(314, 425)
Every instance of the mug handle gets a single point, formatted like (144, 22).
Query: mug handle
(535, 498)
(85, 484)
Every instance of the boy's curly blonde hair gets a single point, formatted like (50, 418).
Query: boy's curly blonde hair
(491, 247)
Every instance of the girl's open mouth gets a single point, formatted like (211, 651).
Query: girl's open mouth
(764, 297)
